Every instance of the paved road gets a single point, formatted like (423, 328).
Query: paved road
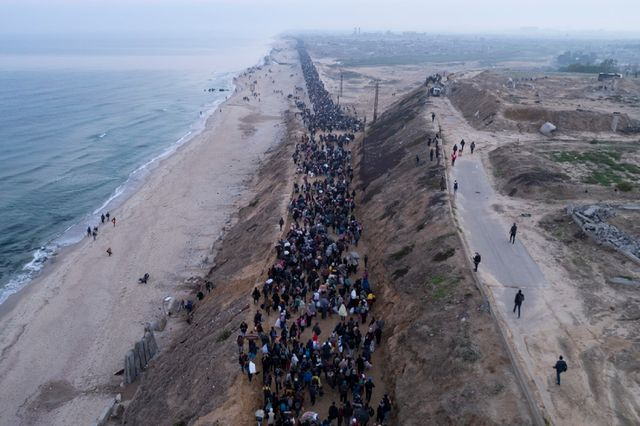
(510, 264)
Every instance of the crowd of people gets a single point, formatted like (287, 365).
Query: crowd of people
(313, 336)
(323, 114)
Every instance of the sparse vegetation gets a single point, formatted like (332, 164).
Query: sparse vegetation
(444, 254)
(624, 186)
(223, 336)
(605, 166)
(399, 273)
(402, 252)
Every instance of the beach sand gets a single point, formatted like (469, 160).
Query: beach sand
(64, 336)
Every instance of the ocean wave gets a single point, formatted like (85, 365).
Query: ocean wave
(75, 233)
(28, 272)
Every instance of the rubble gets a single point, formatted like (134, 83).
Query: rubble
(592, 219)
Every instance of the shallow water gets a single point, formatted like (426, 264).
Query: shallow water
(76, 139)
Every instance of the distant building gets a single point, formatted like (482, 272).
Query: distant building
(608, 76)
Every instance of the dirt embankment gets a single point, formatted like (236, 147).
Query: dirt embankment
(445, 362)
(492, 102)
(564, 170)
(197, 377)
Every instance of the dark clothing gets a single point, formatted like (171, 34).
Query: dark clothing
(518, 302)
(561, 367)
(512, 234)
(476, 261)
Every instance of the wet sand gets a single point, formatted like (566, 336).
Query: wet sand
(63, 337)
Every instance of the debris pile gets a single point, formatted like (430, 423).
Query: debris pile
(592, 220)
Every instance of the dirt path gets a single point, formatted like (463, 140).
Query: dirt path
(552, 320)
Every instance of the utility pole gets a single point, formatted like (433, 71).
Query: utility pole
(341, 83)
(375, 104)
(364, 137)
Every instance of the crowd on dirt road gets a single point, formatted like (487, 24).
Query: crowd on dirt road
(313, 334)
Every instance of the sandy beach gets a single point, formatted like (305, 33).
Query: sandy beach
(65, 335)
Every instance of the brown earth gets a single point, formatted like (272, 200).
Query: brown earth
(198, 374)
(498, 101)
(445, 361)
(527, 169)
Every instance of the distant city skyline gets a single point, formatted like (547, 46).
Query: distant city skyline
(268, 17)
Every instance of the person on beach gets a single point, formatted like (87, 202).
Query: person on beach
(512, 233)
(281, 223)
(518, 302)
(114, 221)
(94, 233)
(102, 218)
(89, 231)
(476, 261)
(109, 252)
(107, 216)
(560, 367)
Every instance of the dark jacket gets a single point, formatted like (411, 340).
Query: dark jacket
(561, 366)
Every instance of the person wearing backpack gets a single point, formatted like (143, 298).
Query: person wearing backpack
(561, 367)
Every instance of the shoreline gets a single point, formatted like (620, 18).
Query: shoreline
(74, 234)
(64, 334)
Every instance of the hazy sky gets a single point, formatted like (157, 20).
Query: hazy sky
(258, 17)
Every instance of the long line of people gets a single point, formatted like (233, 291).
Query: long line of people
(323, 114)
(316, 282)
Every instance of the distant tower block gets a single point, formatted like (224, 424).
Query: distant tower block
(375, 104)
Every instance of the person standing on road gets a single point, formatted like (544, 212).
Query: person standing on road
(561, 367)
(512, 233)
(476, 261)
(518, 302)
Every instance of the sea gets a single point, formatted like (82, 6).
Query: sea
(83, 121)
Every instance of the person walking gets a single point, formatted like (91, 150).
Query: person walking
(518, 302)
(472, 146)
(561, 367)
(102, 218)
(433, 116)
(281, 223)
(113, 221)
(476, 261)
(443, 183)
(431, 155)
(512, 233)
(453, 158)
(109, 252)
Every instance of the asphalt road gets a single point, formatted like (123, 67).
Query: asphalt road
(507, 266)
